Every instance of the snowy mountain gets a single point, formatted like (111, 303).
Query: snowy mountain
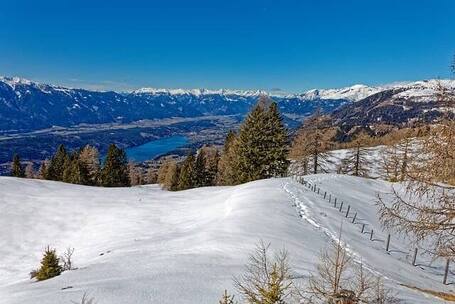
(145, 245)
(397, 104)
(26, 105)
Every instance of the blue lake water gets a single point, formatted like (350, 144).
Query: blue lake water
(154, 148)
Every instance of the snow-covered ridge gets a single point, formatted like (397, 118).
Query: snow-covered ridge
(417, 89)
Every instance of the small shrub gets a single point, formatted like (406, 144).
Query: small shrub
(50, 266)
(67, 260)
(33, 273)
(85, 300)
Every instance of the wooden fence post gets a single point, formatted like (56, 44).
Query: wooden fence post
(330, 198)
(325, 194)
(363, 228)
(371, 235)
(353, 219)
(414, 257)
(347, 211)
(341, 207)
(446, 272)
(318, 190)
(388, 243)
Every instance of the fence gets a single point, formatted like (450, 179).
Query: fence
(314, 188)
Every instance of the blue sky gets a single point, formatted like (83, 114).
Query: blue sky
(292, 45)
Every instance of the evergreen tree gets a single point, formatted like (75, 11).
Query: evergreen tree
(56, 165)
(16, 167)
(187, 174)
(200, 172)
(115, 170)
(261, 148)
(50, 266)
(250, 149)
(75, 171)
(277, 143)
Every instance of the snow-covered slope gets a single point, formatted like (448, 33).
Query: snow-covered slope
(144, 245)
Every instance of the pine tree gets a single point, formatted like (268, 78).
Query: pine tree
(200, 172)
(226, 298)
(50, 266)
(187, 175)
(261, 147)
(251, 155)
(115, 170)
(16, 167)
(277, 143)
(56, 165)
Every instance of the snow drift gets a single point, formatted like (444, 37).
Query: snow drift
(146, 245)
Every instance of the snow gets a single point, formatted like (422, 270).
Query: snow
(146, 245)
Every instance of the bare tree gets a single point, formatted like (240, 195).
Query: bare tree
(397, 158)
(266, 279)
(85, 300)
(134, 174)
(226, 298)
(67, 259)
(29, 171)
(356, 161)
(89, 157)
(340, 280)
(312, 143)
(425, 209)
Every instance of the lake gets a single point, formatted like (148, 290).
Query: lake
(154, 148)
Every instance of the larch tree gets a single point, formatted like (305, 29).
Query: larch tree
(90, 158)
(339, 279)
(227, 163)
(30, 171)
(171, 179)
(187, 174)
(267, 278)
(75, 171)
(134, 174)
(16, 168)
(424, 209)
(313, 141)
(226, 298)
(356, 161)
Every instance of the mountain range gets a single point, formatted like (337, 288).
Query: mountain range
(26, 105)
